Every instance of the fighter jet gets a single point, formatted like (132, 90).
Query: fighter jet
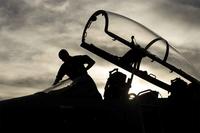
(128, 45)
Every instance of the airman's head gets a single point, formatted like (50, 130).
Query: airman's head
(63, 55)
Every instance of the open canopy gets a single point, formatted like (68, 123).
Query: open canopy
(111, 36)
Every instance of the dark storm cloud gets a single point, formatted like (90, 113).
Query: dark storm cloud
(194, 3)
(13, 13)
(187, 11)
(18, 14)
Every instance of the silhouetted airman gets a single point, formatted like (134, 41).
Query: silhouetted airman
(74, 67)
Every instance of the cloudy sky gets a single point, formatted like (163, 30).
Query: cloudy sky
(33, 31)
